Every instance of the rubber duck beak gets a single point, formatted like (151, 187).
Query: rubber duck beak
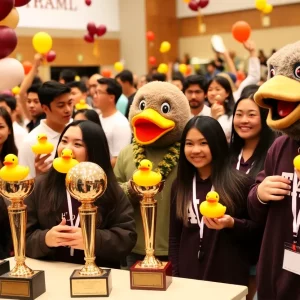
(7, 163)
(43, 139)
(144, 168)
(211, 200)
(66, 156)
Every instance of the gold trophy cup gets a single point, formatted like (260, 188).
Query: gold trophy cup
(86, 182)
(150, 274)
(21, 282)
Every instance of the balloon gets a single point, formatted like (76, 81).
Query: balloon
(152, 60)
(268, 9)
(118, 66)
(8, 41)
(11, 73)
(5, 8)
(7, 92)
(27, 65)
(162, 68)
(106, 73)
(186, 1)
(77, 78)
(16, 90)
(260, 4)
(88, 2)
(240, 75)
(101, 30)
(92, 28)
(241, 31)
(203, 3)
(188, 70)
(150, 36)
(89, 38)
(42, 42)
(21, 2)
(165, 47)
(11, 20)
(51, 55)
(193, 5)
(182, 68)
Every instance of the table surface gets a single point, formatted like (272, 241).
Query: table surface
(58, 285)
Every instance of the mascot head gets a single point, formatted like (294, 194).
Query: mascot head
(281, 93)
(158, 114)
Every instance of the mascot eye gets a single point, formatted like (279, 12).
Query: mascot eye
(142, 105)
(165, 107)
(297, 71)
(272, 72)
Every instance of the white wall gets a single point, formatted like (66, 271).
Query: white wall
(222, 6)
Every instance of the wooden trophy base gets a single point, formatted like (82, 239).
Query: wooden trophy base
(150, 279)
(90, 286)
(23, 288)
(4, 266)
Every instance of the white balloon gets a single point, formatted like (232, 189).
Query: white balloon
(11, 73)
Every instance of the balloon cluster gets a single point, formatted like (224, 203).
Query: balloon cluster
(42, 43)
(93, 31)
(11, 70)
(264, 6)
(196, 5)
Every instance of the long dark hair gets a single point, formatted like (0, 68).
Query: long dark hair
(5, 236)
(90, 114)
(9, 146)
(229, 102)
(97, 152)
(267, 136)
(229, 183)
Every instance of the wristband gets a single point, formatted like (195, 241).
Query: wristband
(262, 202)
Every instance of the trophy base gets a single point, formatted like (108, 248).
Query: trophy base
(150, 279)
(90, 286)
(4, 267)
(23, 288)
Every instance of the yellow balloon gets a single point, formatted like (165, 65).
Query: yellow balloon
(260, 4)
(165, 47)
(186, 1)
(16, 90)
(118, 66)
(182, 68)
(77, 78)
(162, 68)
(12, 20)
(268, 9)
(42, 42)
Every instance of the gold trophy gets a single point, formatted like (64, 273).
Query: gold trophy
(21, 282)
(86, 182)
(149, 274)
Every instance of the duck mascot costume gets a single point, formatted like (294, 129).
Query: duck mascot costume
(158, 115)
(275, 200)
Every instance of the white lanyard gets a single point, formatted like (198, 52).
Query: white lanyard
(296, 221)
(71, 218)
(200, 222)
(239, 163)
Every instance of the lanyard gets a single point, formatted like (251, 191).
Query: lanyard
(200, 222)
(239, 163)
(296, 219)
(71, 218)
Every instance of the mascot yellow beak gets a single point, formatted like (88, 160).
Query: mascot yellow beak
(149, 126)
(281, 95)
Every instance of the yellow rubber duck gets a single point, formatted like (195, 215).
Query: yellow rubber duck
(297, 162)
(82, 105)
(144, 176)
(11, 171)
(65, 162)
(42, 146)
(211, 208)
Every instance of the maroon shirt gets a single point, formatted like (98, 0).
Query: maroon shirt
(273, 281)
(226, 255)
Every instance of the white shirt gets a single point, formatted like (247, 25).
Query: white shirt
(206, 111)
(19, 134)
(26, 156)
(226, 124)
(118, 132)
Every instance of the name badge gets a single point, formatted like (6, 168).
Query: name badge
(291, 258)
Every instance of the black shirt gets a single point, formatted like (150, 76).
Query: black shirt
(31, 125)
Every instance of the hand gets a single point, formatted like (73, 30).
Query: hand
(56, 236)
(251, 47)
(219, 223)
(41, 165)
(38, 60)
(75, 239)
(217, 110)
(273, 188)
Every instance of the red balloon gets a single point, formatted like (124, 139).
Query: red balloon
(8, 41)
(89, 38)
(203, 3)
(92, 28)
(19, 3)
(106, 73)
(101, 30)
(5, 7)
(150, 36)
(88, 2)
(241, 31)
(27, 65)
(50, 56)
(7, 92)
(152, 60)
(193, 5)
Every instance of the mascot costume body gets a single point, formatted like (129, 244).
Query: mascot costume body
(158, 116)
(275, 200)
